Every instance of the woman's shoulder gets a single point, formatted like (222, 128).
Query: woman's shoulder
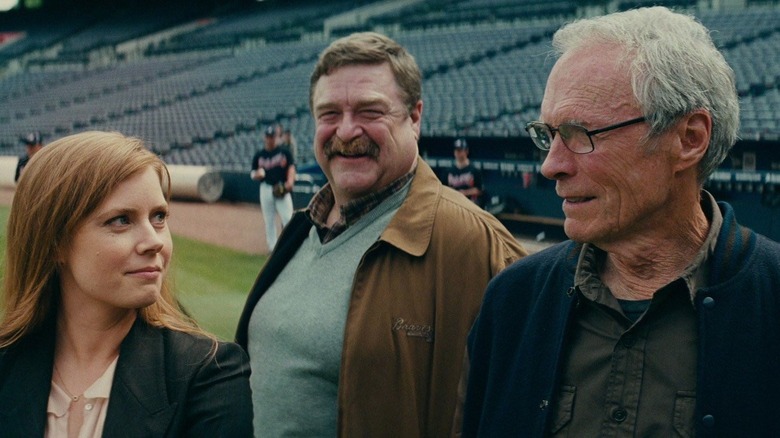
(189, 351)
(194, 345)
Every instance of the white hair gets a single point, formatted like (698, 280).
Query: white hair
(675, 69)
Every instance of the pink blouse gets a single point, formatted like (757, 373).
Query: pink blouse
(95, 404)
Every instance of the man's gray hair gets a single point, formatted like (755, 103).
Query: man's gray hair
(675, 69)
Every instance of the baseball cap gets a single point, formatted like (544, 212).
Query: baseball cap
(269, 131)
(461, 144)
(32, 138)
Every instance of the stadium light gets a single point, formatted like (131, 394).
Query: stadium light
(7, 5)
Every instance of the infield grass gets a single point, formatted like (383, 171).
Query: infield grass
(211, 282)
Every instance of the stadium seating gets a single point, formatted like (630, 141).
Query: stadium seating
(202, 96)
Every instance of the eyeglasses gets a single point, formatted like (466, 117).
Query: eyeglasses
(576, 138)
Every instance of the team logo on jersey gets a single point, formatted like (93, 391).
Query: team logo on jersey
(278, 160)
(462, 180)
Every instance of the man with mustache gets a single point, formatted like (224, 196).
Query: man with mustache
(357, 324)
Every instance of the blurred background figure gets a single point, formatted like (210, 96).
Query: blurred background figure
(274, 167)
(33, 142)
(463, 176)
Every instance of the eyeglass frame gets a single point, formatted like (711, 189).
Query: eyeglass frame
(535, 125)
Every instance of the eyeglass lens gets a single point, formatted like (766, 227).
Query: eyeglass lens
(573, 136)
(541, 135)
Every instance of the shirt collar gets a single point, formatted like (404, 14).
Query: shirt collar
(323, 201)
(696, 274)
(587, 280)
(59, 400)
(101, 388)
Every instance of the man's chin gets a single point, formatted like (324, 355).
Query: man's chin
(576, 230)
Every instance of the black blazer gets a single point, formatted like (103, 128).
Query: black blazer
(166, 385)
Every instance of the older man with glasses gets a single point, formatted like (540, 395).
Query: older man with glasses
(661, 315)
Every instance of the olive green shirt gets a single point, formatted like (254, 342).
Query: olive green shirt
(626, 377)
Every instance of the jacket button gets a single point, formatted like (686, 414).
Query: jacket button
(708, 421)
(619, 415)
(708, 302)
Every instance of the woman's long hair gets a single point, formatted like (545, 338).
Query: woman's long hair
(63, 184)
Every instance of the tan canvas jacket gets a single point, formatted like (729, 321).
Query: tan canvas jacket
(415, 295)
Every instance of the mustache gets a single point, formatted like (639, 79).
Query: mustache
(357, 146)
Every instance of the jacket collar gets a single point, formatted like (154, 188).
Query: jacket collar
(734, 246)
(411, 228)
(139, 403)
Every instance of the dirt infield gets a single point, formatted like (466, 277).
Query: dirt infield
(237, 226)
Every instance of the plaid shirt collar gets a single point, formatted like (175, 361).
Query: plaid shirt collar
(323, 201)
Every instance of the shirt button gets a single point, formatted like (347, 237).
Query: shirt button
(708, 302)
(619, 415)
(88, 406)
(708, 421)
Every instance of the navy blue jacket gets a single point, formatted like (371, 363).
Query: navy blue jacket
(516, 344)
